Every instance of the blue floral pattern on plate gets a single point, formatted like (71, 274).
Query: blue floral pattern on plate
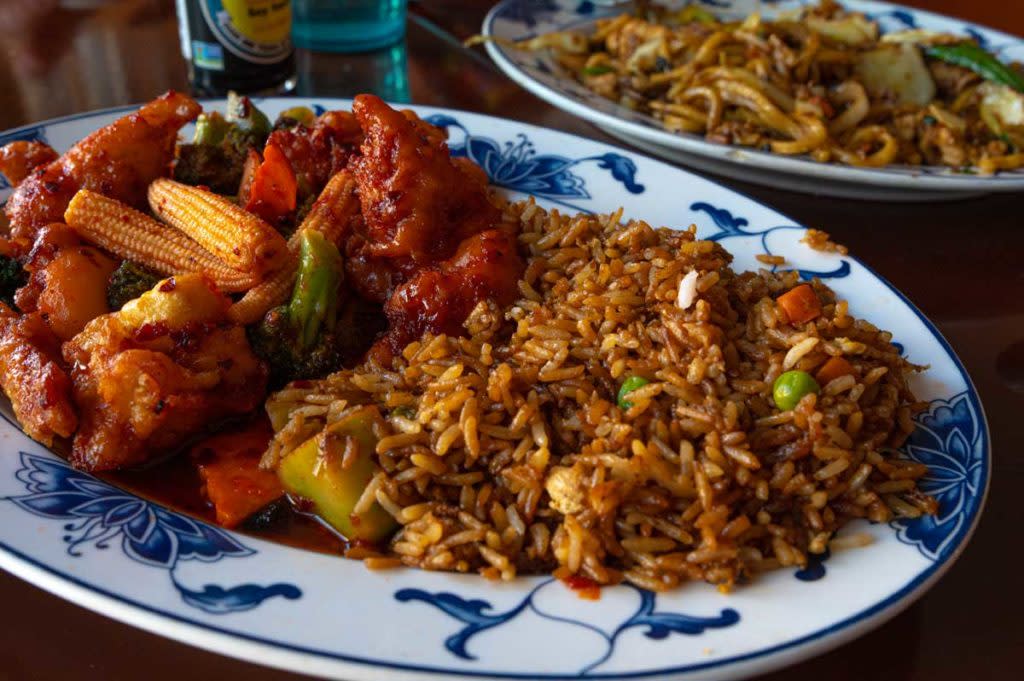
(949, 440)
(515, 165)
(472, 613)
(730, 227)
(99, 514)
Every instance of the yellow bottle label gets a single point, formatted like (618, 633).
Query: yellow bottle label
(255, 30)
(262, 21)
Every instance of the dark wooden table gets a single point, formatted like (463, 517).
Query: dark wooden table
(962, 263)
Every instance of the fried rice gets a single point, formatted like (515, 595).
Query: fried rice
(505, 451)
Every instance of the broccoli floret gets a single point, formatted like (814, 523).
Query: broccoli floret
(216, 167)
(211, 128)
(275, 340)
(216, 157)
(297, 340)
(249, 125)
(129, 281)
(12, 277)
(238, 141)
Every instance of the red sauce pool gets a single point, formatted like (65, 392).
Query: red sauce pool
(175, 483)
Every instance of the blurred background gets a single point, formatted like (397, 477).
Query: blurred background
(63, 56)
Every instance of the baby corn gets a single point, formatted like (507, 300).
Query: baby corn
(331, 215)
(127, 233)
(236, 236)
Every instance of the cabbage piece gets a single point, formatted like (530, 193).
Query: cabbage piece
(897, 71)
(850, 30)
(1002, 109)
(920, 36)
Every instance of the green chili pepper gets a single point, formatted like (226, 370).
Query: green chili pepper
(628, 386)
(598, 70)
(314, 302)
(790, 388)
(970, 56)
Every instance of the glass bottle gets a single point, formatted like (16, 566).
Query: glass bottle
(348, 25)
(240, 45)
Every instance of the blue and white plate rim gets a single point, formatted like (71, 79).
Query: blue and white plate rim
(565, 94)
(203, 632)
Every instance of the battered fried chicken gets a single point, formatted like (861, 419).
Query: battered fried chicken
(318, 152)
(374, 277)
(163, 369)
(68, 280)
(119, 160)
(18, 159)
(438, 299)
(433, 244)
(417, 202)
(32, 377)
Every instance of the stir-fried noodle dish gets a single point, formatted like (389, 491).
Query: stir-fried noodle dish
(820, 81)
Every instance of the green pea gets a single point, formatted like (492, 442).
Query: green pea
(628, 386)
(790, 388)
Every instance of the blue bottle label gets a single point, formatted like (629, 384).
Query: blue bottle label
(207, 55)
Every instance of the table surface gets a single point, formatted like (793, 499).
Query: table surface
(960, 262)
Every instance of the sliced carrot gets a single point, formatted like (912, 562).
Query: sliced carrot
(229, 465)
(833, 369)
(800, 304)
(274, 188)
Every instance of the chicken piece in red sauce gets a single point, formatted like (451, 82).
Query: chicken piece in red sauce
(67, 283)
(32, 376)
(374, 277)
(438, 299)
(119, 161)
(318, 152)
(417, 202)
(163, 369)
(433, 244)
(18, 159)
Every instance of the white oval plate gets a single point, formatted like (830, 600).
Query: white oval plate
(132, 560)
(544, 77)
